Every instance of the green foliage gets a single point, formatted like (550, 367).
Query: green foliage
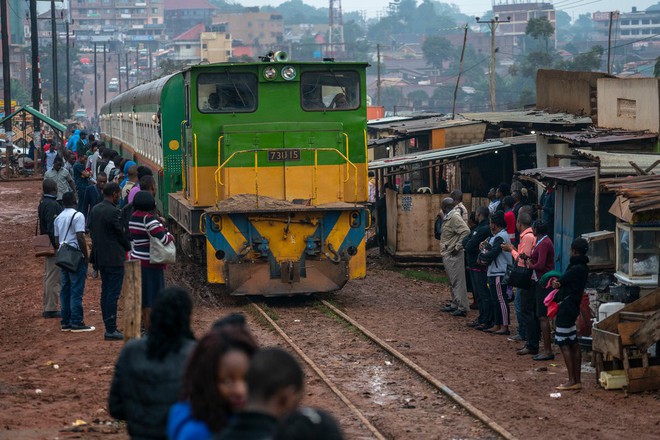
(20, 94)
(417, 97)
(424, 275)
(540, 28)
(168, 67)
(297, 12)
(587, 61)
(535, 61)
(390, 97)
(436, 49)
(656, 69)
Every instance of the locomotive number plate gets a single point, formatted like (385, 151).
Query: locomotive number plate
(288, 154)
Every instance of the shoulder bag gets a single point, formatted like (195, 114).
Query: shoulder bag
(518, 276)
(160, 253)
(41, 243)
(68, 257)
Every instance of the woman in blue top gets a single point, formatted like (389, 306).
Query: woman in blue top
(214, 386)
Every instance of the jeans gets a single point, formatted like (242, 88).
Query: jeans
(521, 322)
(500, 305)
(112, 278)
(481, 292)
(531, 318)
(73, 287)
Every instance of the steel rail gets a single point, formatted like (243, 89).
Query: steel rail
(490, 423)
(320, 373)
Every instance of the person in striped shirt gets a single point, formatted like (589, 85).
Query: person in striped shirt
(143, 224)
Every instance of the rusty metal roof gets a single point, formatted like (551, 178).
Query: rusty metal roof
(620, 164)
(410, 126)
(594, 136)
(637, 194)
(559, 174)
(528, 117)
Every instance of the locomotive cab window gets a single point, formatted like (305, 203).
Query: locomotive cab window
(321, 91)
(226, 92)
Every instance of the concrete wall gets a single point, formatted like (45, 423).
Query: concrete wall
(630, 104)
(545, 152)
(569, 92)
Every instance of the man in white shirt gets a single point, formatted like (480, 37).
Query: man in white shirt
(92, 160)
(70, 231)
(61, 177)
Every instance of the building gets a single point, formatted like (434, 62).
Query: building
(186, 46)
(519, 12)
(632, 25)
(216, 44)
(181, 15)
(105, 20)
(252, 27)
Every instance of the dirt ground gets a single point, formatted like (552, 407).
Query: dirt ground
(41, 401)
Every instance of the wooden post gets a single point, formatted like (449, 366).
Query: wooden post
(515, 160)
(132, 292)
(597, 199)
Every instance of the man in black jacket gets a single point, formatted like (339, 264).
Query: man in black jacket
(477, 272)
(109, 247)
(49, 208)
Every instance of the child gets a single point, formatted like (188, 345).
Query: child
(275, 383)
(569, 297)
(214, 386)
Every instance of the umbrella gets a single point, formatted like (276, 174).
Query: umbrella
(85, 60)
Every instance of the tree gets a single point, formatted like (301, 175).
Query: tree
(390, 97)
(586, 61)
(436, 49)
(417, 97)
(170, 66)
(19, 94)
(563, 21)
(540, 28)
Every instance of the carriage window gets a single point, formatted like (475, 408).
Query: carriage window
(226, 92)
(330, 91)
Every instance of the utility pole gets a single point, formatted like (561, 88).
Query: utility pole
(119, 70)
(460, 70)
(492, 24)
(105, 76)
(96, 87)
(6, 79)
(127, 68)
(56, 92)
(378, 80)
(609, 44)
(151, 71)
(68, 67)
(34, 43)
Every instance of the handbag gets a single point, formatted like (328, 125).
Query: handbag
(518, 276)
(160, 253)
(68, 257)
(42, 244)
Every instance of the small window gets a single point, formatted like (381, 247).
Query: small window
(204, 46)
(321, 91)
(227, 92)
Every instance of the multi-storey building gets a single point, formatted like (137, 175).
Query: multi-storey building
(252, 27)
(117, 20)
(633, 25)
(181, 15)
(518, 13)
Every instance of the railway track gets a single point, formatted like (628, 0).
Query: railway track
(390, 395)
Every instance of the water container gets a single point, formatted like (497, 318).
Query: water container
(613, 380)
(608, 309)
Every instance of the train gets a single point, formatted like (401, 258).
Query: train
(261, 168)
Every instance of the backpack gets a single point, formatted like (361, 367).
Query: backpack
(437, 228)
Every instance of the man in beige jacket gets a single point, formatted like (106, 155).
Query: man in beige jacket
(454, 230)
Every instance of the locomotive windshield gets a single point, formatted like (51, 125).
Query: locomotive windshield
(226, 92)
(321, 91)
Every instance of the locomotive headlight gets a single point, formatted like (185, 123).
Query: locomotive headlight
(270, 73)
(288, 72)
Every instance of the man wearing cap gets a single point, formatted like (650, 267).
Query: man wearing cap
(454, 230)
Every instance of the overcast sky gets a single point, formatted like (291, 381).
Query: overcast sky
(476, 7)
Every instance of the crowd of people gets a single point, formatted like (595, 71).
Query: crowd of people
(223, 386)
(111, 201)
(477, 250)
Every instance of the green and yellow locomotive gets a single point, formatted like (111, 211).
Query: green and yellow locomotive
(261, 168)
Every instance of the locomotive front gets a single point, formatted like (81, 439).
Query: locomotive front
(275, 174)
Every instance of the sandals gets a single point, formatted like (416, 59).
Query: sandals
(574, 387)
(543, 357)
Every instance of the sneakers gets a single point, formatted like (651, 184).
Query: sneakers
(78, 328)
(458, 312)
(53, 314)
(65, 328)
(114, 336)
(448, 309)
(516, 338)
